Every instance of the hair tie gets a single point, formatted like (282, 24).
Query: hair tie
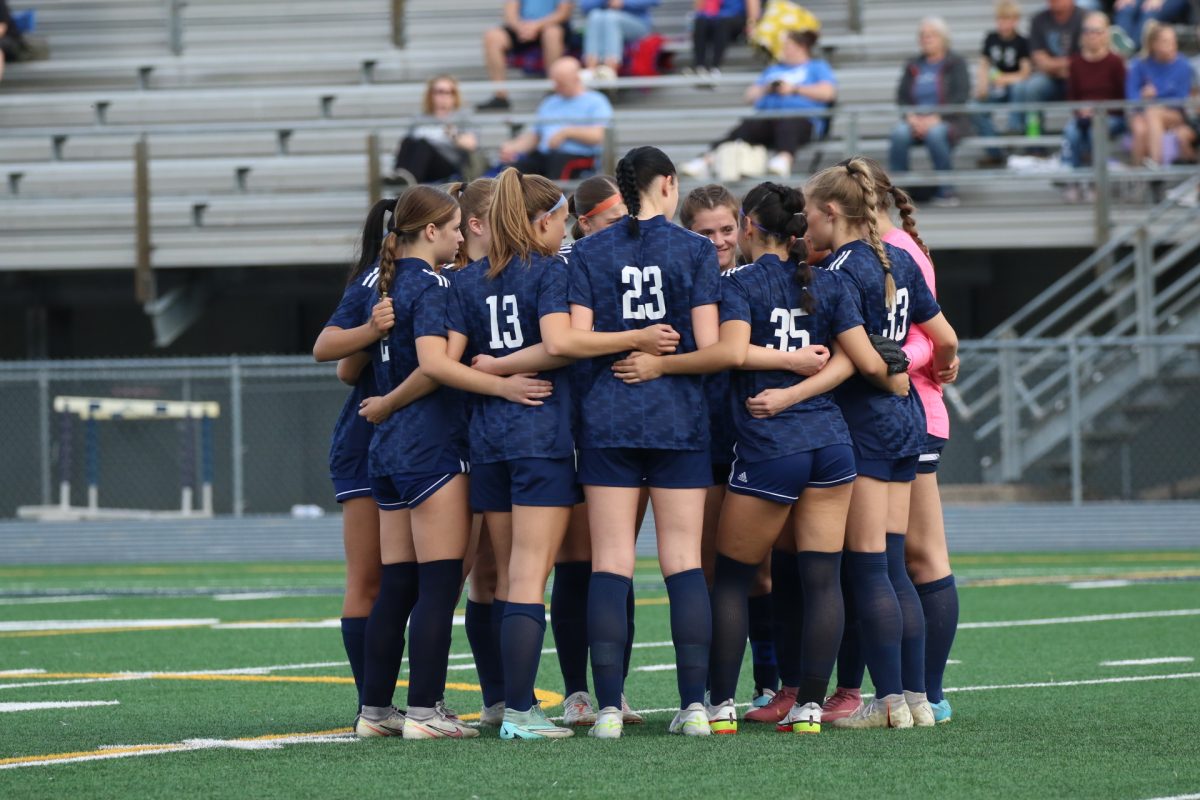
(604, 205)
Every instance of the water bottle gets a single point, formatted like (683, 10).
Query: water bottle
(1033, 124)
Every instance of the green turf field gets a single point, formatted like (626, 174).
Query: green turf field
(189, 697)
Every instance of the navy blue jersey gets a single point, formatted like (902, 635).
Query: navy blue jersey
(352, 433)
(883, 425)
(423, 435)
(767, 295)
(501, 316)
(629, 283)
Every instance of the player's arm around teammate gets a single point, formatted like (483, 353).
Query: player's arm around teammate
(645, 268)
(887, 433)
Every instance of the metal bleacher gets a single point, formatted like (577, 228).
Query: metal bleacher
(257, 129)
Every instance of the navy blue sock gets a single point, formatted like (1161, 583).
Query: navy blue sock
(691, 631)
(521, 638)
(354, 639)
(939, 599)
(850, 666)
(879, 619)
(912, 643)
(731, 584)
(632, 627)
(568, 618)
(383, 646)
(821, 582)
(487, 657)
(429, 630)
(787, 614)
(607, 631)
(762, 645)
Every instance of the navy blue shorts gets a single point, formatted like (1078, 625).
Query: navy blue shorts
(349, 488)
(638, 466)
(781, 480)
(891, 470)
(720, 473)
(409, 490)
(524, 482)
(929, 460)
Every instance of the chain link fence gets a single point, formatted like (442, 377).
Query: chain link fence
(1022, 429)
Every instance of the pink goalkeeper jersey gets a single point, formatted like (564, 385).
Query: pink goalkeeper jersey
(919, 347)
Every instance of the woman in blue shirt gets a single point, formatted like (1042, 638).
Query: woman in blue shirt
(1160, 74)
(797, 83)
(888, 434)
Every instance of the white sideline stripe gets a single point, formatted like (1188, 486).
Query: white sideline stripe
(137, 676)
(1115, 583)
(1021, 623)
(1179, 797)
(98, 624)
(272, 626)
(265, 670)
(33, 671)
(655, 668)
(1089, 682)
(252, 596)
(8, 708)
(64, 598)
(132, 676)
(191, 745)
(1137, 662)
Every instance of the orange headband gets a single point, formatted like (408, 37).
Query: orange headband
(604, 206)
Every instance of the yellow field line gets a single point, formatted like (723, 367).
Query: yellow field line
(1042, 580)
(651, 601)
(75, 631)
(1067, 558)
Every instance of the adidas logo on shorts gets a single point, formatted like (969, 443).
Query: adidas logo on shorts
(742, 477)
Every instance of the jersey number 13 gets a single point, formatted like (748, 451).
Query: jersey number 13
(511, 337)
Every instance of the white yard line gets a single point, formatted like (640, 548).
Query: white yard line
(26, 625)
(1137, 662)
(1089, 682)
(1115, 583)
(253, 596)
(8, 708)
(655, 668)
(1179, 797)
(66, 598)
(1022, 623)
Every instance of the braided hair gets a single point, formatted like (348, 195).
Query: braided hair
(779, 212)
(372, 237)
(635, 172)
(891, 195)
(850, 185)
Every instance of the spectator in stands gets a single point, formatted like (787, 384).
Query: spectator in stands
(1132, 15)
(1096, 73)
(610, 25)
(715, 25)
(11, 42)
(1053, 39)
(937, 76)
(440, 143)
(527, 24)
(1003, 63)
(798, 82)
(568, 135)
(1162, 74)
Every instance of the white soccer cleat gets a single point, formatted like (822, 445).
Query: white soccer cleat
(628, 715)
(922, 711)
(608, 724)
(578, 710)
(882, 712)
(436, 723)
(801, 719)
(492, 715)
(691, 721)
(392, 725)
(722, 718)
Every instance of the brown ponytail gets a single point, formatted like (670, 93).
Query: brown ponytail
(475, 200)
(517, 201)
(417, 208)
